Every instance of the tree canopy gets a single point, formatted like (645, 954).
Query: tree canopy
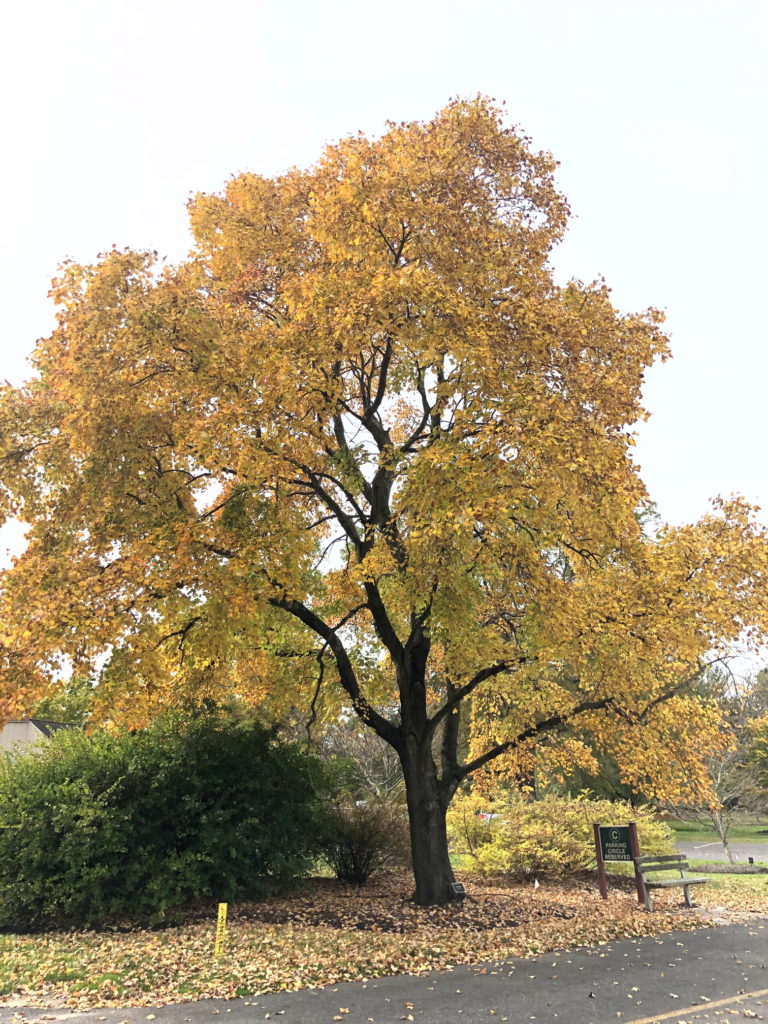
(362, 433)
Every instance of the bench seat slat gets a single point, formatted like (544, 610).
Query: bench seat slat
(681, 865)
(651, 859)
(668, 883)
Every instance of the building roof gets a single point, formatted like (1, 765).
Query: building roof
(46, 728)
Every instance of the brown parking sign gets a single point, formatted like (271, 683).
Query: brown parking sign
(616, 843)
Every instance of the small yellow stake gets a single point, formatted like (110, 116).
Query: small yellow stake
(221, 930)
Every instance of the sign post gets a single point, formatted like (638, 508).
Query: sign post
(221, 930)
(617, 843)
(602, 881)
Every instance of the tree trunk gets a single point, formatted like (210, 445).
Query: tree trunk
(722, 830)
(429, 839)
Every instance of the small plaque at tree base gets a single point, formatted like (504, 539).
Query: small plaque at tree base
(458, 890)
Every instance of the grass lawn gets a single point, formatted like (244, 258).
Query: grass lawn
(738, 887)
(744, 832)
(753, 885)
(323, 934)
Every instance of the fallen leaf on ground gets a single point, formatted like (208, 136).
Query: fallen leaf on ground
(326, 933)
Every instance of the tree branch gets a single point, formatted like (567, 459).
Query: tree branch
(345, 520)
(546, 725)
(459, 693)
(674, 690)
(382, 623)
(378, 398)
(313, 703)
(449, 748)
(347, 675)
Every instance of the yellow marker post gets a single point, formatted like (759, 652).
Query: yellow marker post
(221, 930)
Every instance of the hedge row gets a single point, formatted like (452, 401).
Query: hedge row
(95, 829)
(551, 836)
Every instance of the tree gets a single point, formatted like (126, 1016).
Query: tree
(362, 433)
(370, 767)
(71, 702)
(734, 772)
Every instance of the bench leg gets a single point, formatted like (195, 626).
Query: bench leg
(686, 891)
(648, 900)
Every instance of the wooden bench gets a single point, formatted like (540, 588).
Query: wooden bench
(668, 862)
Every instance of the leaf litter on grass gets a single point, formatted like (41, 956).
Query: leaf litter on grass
(326, 933)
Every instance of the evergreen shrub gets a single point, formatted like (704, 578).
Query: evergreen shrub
(102, 828)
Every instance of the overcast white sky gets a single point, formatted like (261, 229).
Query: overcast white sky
(113, 112)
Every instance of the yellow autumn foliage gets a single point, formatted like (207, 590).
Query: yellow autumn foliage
(550, 836)
(361, 452)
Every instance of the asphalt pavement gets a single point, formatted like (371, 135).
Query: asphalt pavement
(706, 976)
(714, 851)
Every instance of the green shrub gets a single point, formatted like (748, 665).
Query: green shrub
(549, 836)
(95, 829)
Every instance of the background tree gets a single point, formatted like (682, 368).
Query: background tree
(373, 767)
(734, 772)
(362, 431)
(365, 826)
(70, 702)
